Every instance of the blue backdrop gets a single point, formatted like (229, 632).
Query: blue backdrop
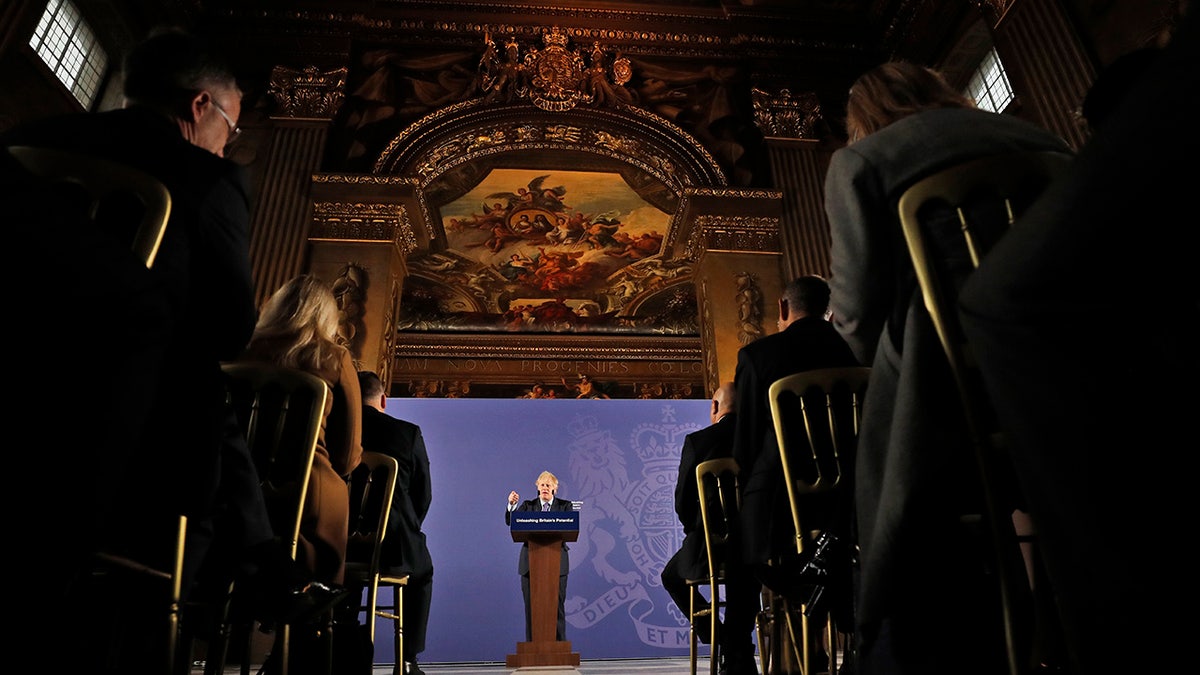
(619, 457)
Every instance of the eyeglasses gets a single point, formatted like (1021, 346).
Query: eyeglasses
(234, 130)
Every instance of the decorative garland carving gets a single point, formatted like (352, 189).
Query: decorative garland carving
(470, 146)
(350, 291)
(521, 134)
(358, 178)
(712, 375)
(786, 115)
(749, 305)
(367, 222)
(737, 192)
(307, 93)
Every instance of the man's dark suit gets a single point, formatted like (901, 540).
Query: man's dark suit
(204, 265)
(807, 344)
(564, 566)
(691, 560)
(404, 547)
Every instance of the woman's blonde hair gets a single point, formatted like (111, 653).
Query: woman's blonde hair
(298, 326)
(894, 90)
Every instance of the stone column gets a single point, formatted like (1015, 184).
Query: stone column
(305, 104)
(362, 229)
(733, 235)
(793, 126)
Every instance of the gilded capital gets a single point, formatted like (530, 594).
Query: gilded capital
(307, 93)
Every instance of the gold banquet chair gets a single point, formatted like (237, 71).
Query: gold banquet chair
(720, 504)
(950, 220)
(372, 488)
(280, 412)
(826, 405)
(110, 185)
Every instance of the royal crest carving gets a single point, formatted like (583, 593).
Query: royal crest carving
(553, 78)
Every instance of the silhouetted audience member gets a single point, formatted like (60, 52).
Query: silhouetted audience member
(921, 570)
(1098, 410)
(691, 560)
(404, 547)
(182, 107)
(805, 341)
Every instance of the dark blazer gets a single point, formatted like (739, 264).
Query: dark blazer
(404, 547)
(806, 344)
(914, 470)
(711, 442)
(204, 265)
(536, 505)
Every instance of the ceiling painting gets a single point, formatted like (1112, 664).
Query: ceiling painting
(550, 251)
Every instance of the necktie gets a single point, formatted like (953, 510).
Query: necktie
(545, 506)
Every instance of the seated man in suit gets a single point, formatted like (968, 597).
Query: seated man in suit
(404, 547)
(806, 341)
(691, 560)
(547, 486)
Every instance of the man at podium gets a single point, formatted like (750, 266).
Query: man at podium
(547, 486)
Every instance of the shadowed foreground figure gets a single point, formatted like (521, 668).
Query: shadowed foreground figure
(922, 572)
(1098, 411)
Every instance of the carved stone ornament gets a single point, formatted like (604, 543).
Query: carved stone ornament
(554, 78)
(307, 93)
(337, 221)
(786, 115)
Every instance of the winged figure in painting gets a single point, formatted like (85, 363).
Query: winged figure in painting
(534, 195)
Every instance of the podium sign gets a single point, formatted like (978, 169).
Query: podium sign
(544, 521)
(544, 532)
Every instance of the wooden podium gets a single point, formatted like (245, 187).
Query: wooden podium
(545, 534)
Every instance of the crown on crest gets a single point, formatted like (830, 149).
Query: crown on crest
(656, 443)
(583, 426)
(555, 38)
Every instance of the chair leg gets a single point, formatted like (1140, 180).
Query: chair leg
(788, 651)
(763, 625)
(398, 623)
(693, 639)
(714, 650)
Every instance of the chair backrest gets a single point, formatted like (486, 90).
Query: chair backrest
(167, 579)
(372, 488)
(827, 405)
(112, 187)
(720, 503)
(280, 412)
(985, 196)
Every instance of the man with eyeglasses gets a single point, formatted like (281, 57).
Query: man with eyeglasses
(181, 111)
